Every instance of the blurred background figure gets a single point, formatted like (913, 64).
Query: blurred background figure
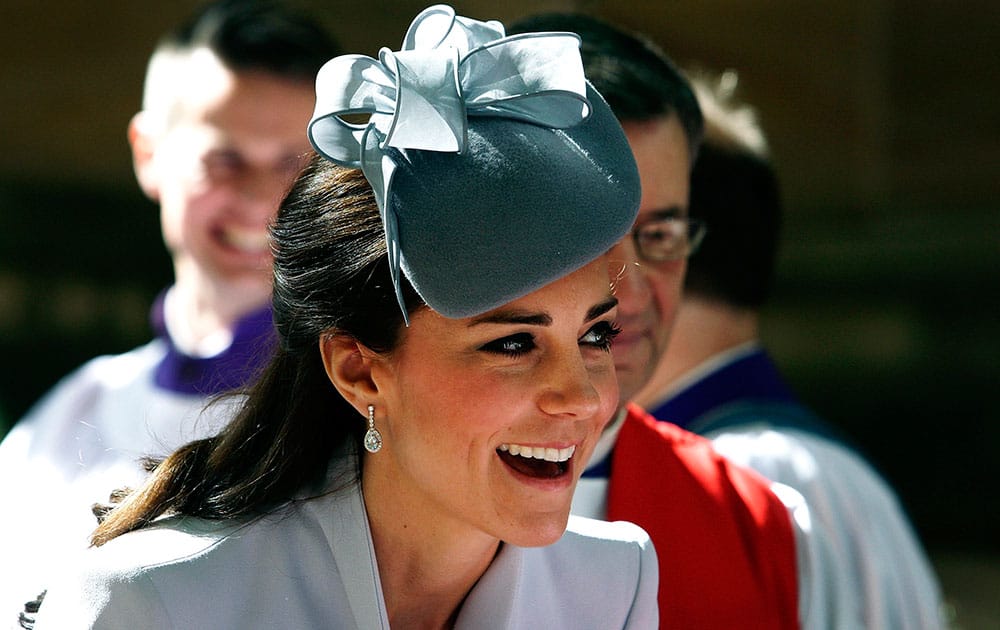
(717, 379)
(220, 138)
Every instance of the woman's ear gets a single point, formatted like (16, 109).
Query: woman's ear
(348, 365)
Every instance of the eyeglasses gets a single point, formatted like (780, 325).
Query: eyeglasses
(667, 238)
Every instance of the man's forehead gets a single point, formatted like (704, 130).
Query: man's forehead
(179, 80)
(199, 77)
(663, 158)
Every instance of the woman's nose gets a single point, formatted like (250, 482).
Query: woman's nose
(568, 388)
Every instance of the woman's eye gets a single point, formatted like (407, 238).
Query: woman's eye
(601, 335)
(513, 346)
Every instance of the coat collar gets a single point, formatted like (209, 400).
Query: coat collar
(344, 520)
(254, 338)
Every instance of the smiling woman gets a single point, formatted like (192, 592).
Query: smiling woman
(445, 314)
(494, 399)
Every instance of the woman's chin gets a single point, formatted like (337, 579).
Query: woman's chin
(543, 532)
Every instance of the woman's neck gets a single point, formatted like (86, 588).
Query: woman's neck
(426, 568)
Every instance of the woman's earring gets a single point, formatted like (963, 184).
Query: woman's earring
(373, 439)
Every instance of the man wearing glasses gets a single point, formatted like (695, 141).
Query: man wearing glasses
(717, 379)
(732, 553)
(726, 543)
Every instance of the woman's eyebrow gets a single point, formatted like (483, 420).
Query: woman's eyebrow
(539, 319)
(513, 317)
(600, 309)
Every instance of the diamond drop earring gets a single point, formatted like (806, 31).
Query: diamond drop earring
(373, 439)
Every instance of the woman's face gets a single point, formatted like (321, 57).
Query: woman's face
(488, 421)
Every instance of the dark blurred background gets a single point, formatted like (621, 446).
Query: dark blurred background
(883, 120)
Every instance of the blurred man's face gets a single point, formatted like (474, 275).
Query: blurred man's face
(233, 146)
(649, 292)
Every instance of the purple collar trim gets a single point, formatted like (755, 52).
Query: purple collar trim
(753, 377)
(254, 339)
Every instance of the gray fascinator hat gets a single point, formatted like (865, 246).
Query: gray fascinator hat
(496, 167)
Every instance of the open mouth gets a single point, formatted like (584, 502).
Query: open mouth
(537, 461)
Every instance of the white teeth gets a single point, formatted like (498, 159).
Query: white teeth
(539, 452)
(247, 240)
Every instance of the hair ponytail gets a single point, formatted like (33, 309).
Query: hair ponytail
(280, 441)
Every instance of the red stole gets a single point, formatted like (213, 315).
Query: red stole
(725, 542)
